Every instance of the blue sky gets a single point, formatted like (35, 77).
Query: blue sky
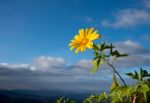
(33, 27)
(37, 32)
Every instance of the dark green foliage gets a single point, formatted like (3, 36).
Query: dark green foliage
(64, 100)
(96, 98)
(125, 94)
(101, 56)
(122, 94)
(140, 76)
(115, 84)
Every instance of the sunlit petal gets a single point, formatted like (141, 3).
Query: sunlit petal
(84, 40)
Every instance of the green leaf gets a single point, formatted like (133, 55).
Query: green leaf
(114, 84)
(59, 100)
(96, 65)
(93, 69)
(111, 49)
(121, 94)
(64, 100)
(101, 97)
(145, 73)
(96, 53)
(95, 47)
(148, 75)
(129, 74)
(140, 76)
(95, 58)
(144, 89)
(102, 46)
(97, 62)
(117, 54)
(136, 75)
(95, 99)
(105, 95)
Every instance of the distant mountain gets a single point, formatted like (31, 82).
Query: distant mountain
(15, 97)
(33, 96)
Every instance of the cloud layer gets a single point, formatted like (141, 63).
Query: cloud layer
(138, 56)
(146, 3)
(130, 17)
(47, 72)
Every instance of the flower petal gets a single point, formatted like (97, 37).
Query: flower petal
(90, 45)
(72, 47)
(77, 50)
(94, 36)
(84, 39)
(81, 33)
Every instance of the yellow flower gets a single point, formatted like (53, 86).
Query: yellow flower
(84, 39)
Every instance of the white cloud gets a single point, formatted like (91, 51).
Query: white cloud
(138, 55)
(131, 47)
(128, 18)
(42, 63)
(15, 66)
(146, 3)
(46, 62)
(84, 63)
(134, 61)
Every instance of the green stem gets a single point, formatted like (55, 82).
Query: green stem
(117, 73)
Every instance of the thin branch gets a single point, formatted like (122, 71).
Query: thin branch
(116, 72)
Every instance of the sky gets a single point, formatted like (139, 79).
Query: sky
(34, 38)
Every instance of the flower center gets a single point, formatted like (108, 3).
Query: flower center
(84, 41)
